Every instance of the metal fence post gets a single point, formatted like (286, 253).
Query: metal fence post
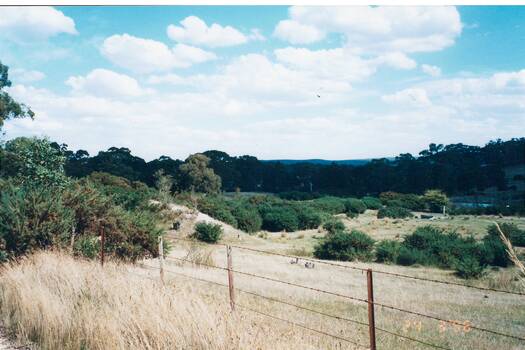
(102, 244)
(371, 316)
(230, 277)
(161, 259)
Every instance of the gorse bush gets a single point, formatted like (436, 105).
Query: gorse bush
(469, 267)
(31, 219)
(280, 218)
(440, 248)
(217, 207)
(394, 213)
(330, 205)
(345, 246)
(387, 251)
(127, 194)
(334, 225)
(207, 232)
(431, 246)
(308, 217)
(372, 203)
(298, 195)
(248, 218)
(511, 231)
(354, 205)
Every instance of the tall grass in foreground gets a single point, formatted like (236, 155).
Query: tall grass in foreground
(59, 302)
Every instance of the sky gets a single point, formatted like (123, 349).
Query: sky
(275, 82)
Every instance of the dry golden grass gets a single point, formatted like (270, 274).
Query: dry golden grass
(501, 312)
(58, 302)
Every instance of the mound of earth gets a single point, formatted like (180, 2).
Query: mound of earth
(188, 217)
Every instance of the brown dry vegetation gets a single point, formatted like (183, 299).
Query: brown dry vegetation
(63, 303)
(59, 302)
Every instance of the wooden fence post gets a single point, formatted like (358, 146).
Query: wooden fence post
(102, 244)
(230, 277)
(72, 243)
(161, 259)
(371, 316)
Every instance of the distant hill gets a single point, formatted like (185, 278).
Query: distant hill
(320, 161)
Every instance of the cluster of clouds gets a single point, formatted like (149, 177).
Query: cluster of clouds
(271, 104)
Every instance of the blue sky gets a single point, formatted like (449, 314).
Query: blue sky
(274, 82)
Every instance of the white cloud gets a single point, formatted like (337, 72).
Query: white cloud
(433, 71)
(335, 64)
(413, 96)
(105, 83)
(396, 60)
(380, 29)
(21, 75)
(173, 79)
(194, 30)
(298, 33)
(33, 23)
(145, 55)
(270, 110)
(256, 35)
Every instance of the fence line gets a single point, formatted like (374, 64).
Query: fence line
(297, 306)
(303, 326)
(323, 262)
(481, 329)
(276, 280)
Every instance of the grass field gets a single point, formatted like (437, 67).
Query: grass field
(59, 302)
(505, 313)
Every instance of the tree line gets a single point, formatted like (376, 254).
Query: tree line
(455, 169)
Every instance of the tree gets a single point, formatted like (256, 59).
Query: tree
(33, 162)
(163, 183)
(9, 108)
(435, 200)
(197, 176)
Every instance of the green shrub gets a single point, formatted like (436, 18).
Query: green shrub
(394, 213)
(387, 251)
(334, 225)
(494, 252)
(298, 195)
(280, 218)
(435, 200)
(409, 201)
(308, 217)
(207, 232)
(440, 248)
(469, 267)
(217, 208)
(127, 194)
(354, 205)
(407, 256)
(345, 246)
(87, 246)
(130, 234)
(330, 205)
(372, 203)
(248, 218)
(32, 218)
(511, 231)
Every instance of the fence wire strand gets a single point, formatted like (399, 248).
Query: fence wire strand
(481, 329)
(393, 274)
(333, 316)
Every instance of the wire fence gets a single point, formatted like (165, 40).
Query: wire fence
(369, 301)
(393, 274)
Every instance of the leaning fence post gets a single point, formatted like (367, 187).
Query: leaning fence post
(230, 277)
(161, 259)
(371, 316)
(102, 244)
